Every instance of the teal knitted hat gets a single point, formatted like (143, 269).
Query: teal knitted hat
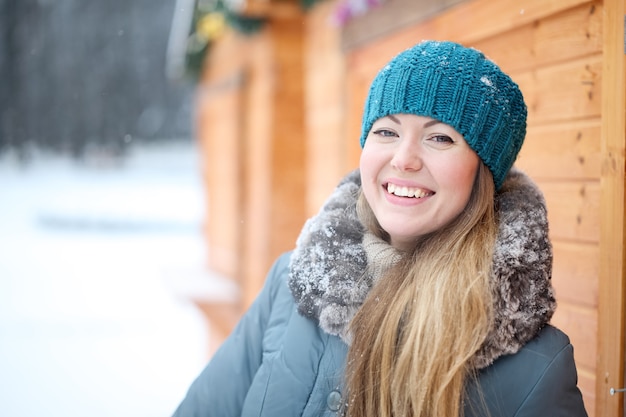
(458, 86)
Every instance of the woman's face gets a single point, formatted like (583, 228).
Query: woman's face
(417, 175)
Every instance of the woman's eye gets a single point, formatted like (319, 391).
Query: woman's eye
(442, 139)
(385, 133)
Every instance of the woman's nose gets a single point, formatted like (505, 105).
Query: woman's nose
(407, 156)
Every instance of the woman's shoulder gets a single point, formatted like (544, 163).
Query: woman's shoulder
(548, 343)
(277, 276)
(533, 359)
(540, 378)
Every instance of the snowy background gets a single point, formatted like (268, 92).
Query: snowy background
(96, 261)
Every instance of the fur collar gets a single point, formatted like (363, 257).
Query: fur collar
(329, 277)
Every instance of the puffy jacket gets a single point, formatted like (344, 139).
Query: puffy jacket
(277, 363)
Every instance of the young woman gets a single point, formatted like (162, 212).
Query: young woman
(422, 287)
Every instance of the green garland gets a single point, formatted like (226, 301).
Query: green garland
(208, 21)
(307, 4)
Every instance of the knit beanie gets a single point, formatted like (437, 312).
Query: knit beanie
(458, 86)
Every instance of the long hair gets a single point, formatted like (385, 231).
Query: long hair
(416, 333)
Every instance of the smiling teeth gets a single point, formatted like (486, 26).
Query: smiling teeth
(401, 191)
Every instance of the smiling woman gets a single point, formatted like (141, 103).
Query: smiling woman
(422, 287)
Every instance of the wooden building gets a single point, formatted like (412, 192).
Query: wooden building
(278, 119)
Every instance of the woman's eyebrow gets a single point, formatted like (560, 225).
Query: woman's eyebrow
(394, 118)
(431, 123)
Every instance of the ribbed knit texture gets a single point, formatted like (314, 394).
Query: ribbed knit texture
(460, 87)
(381, 256)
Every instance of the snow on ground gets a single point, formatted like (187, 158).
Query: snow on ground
(95, 260)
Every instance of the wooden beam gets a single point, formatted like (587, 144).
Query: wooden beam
(610, 365)
(275, 197)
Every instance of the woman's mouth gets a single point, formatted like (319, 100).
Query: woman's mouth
(410, 192)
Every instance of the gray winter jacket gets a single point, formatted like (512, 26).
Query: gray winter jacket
(286, 357)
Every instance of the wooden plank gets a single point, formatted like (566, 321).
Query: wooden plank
(575, 272)
(581, 325)
(569, 35)
(611, 312)
(562, 151)
(587, 384)
(563, 92)
(573, 210)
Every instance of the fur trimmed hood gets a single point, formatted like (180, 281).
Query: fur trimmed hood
(330, 279)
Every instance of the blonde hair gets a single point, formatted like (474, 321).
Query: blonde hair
(418, 330)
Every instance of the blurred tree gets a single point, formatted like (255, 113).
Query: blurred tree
(88, 75)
